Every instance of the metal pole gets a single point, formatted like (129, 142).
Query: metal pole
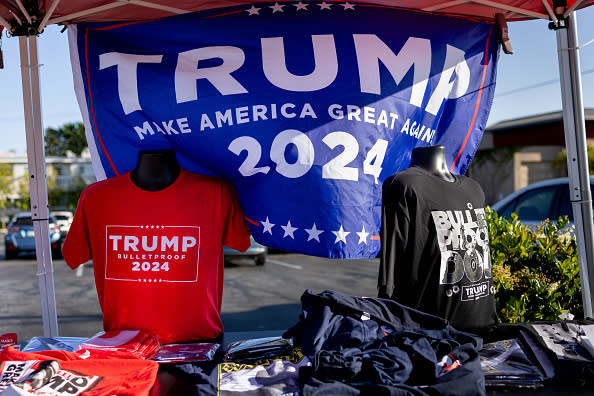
(37, 182)
(577, 155)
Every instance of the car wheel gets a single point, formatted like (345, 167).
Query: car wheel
(56, 253)
(260, 260)
(10, 254)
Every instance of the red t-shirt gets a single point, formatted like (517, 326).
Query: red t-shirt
(92, 373)
(158, 256)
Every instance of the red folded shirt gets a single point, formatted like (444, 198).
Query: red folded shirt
(92, 372)
(137, 342)
(9, 339)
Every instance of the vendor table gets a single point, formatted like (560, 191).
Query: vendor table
(168, 384)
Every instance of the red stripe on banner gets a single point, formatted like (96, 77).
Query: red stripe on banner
(224, 14)
(123, 24)
(467, 17)
(119, 25)
(478, 102)
(91, 105)
(252, 221)
(374, 237)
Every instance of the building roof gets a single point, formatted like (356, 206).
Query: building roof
(534, 120)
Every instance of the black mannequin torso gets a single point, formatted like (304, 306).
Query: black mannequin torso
(155, 169)
(432, 159)
(425, 258)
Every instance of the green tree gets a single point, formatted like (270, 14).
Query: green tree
(68, 198)
(70, 136)
(5, 183)
(560, 161)
(24, 202)
(535, 269)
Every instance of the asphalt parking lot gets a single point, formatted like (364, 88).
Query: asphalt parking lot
(255, 297)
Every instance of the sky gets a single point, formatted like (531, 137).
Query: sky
(527, 81)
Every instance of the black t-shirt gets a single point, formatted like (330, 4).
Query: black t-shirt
(435, 248)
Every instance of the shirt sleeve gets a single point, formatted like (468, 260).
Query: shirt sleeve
(76, 248)
(398, 253)
(236, 232)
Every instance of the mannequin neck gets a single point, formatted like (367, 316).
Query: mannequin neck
(432, 159)
(155, 170)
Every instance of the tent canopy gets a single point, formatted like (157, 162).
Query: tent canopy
(26, 17)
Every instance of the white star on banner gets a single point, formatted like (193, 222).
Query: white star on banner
(253, 10)
(289, 230)
(325, 6)
(301, 6)
(363, 236)
(341, 235)
(348, 6)
(277, 8)
(267, 226)
(313, 233)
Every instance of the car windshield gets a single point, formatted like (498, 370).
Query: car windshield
(61, 217)
(27, 221)
(23, 221)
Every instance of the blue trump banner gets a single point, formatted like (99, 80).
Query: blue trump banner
(306, 108)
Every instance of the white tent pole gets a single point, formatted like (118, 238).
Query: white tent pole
(573, 7)
(147, 4)
(577, 155)
(494, 4)
(24, 11)
(5, 23)
(47, 16)
(550, 11)
(37, 182)
(116, 3)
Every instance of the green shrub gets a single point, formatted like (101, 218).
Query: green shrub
(535, 269)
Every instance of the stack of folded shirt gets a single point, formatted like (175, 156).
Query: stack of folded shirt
(9, 339)
(38, 344)
(137, 342)
(505, 364)
(191, 352)
(257, 348)
(585, 338)
(89, 372)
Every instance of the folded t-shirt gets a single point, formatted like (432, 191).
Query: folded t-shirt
(94, 372)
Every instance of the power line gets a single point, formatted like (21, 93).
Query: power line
(537, 85)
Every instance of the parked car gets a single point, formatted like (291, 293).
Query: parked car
(20, 237)
(256, 251)
(536, 202)
(64, 220)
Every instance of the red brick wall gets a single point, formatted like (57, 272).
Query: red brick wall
(549, 134)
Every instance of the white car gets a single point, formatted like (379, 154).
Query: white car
(256, 251)
(536, 202)
(64, 220)
(20, 236)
